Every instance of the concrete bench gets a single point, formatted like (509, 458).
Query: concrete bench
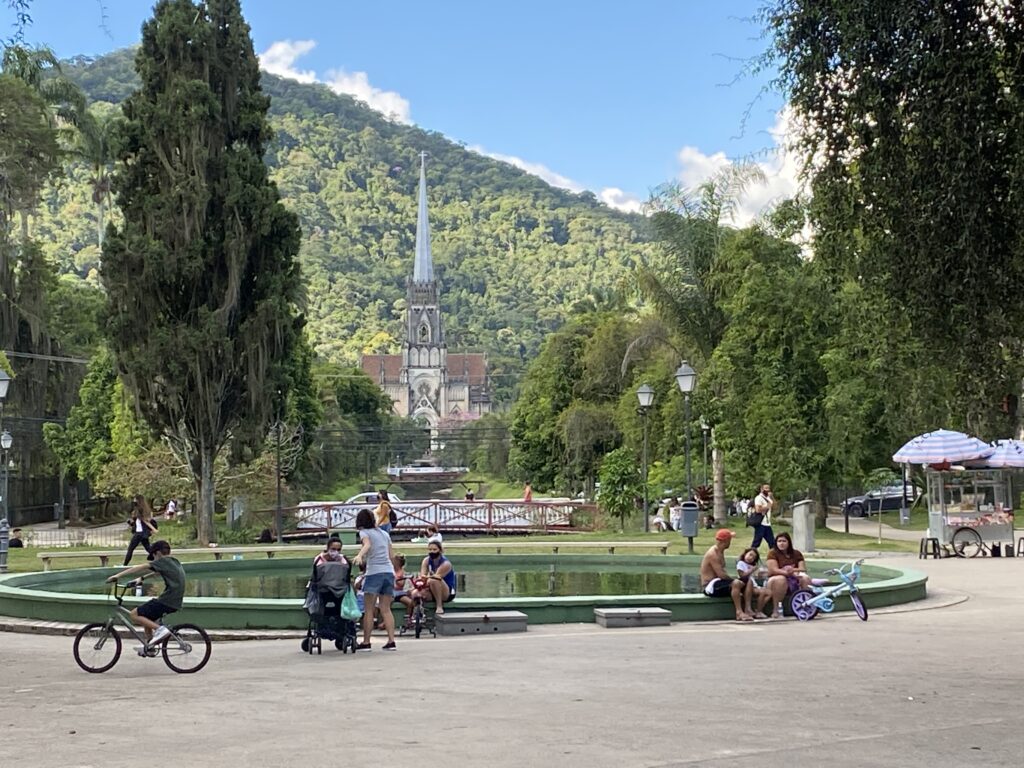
(633, 617)
(555, 546)
(217, 552)
(471, 623)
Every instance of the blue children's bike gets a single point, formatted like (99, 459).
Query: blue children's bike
(806, 603)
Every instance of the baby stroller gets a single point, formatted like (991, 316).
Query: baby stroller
(325, 619)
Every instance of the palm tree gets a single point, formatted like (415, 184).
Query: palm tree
(40, 70)
(692, 224)
(95, 144)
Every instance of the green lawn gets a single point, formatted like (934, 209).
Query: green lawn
(25, 560)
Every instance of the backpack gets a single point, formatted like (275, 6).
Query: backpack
(392, 517)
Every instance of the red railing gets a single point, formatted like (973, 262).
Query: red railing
(491, 517)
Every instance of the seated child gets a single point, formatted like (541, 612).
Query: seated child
(747, 568)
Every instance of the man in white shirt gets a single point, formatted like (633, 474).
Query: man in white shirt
(763, 505)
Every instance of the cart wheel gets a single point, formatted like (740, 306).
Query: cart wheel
(967, 542)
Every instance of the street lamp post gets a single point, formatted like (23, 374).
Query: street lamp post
(645, 395)
(705, 427)
(5, 440)
(686, 378)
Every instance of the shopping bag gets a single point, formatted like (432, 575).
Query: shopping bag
(349, 606)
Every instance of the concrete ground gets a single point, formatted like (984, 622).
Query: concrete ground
(868, 526)
(911, 687)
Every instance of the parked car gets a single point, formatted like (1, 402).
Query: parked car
(889, 498)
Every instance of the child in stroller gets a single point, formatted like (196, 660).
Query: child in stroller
(331, 579)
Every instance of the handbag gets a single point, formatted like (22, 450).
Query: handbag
(754, 519)
(349, 606)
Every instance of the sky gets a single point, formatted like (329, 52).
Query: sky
(612, 96)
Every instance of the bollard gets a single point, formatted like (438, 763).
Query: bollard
(5, 537)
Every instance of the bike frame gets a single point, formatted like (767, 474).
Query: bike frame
(121, 615)
(823, 600)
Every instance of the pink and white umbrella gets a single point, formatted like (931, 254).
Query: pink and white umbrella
(941, 446)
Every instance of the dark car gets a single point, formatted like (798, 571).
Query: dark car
(889, 499)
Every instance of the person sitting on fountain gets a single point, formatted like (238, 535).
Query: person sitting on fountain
(716, 580)
(437, 578)
(786, 571)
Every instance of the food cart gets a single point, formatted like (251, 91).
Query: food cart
(970, 509)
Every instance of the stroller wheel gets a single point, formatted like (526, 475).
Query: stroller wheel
(341, 645)
(305, 645)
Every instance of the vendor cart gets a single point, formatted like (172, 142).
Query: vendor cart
(970, 510)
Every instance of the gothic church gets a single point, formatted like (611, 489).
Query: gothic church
(438, 389)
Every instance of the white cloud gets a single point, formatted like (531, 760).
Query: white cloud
(279, 59)
(781, 171)
(615, 198)
(357, 84)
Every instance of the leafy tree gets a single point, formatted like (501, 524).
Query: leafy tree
(201, 277)
(95, 144)
(909, 123)
(621, 484)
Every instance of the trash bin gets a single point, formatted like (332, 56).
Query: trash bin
(803, 525)
(688, 522)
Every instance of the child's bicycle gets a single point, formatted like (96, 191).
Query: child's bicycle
(98, 646)
(418, 619)
(806, 603)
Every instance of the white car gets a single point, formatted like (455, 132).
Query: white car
(339, 514)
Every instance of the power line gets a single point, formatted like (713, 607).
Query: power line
(52, 358)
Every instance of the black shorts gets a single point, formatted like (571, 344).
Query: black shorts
(719, 588)
(154, 610)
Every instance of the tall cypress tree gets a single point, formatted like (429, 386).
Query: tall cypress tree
(202, 280)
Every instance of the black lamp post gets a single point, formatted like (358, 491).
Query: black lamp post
(705, 428)
(686, 378)
(6, 441)
(645, 395)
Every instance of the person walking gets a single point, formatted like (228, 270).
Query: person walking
(142, 527)
(764, 502)
(377, 559)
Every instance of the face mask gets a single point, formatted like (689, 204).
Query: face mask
(333, 555)
(434, 555)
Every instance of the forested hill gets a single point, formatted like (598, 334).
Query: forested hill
(515, 255)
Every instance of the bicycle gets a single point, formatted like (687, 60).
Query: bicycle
(417, 619)
(806, 603)
(98, 645)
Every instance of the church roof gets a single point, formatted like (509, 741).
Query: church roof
(423, 269)
(384, 369)
(469, 368)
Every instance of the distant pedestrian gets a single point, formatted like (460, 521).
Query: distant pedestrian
(528, 493)
(764, 502)
(142, 527)
(15, 541)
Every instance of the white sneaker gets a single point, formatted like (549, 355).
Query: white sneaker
(143, 650)
(159, 635)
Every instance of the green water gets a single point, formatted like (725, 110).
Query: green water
(475, 582)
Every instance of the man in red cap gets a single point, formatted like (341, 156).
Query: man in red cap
(716, 580)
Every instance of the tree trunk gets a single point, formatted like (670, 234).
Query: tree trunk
(821, 505)
(205, 499)
(718, 474)
(99, 228)
(74, 511)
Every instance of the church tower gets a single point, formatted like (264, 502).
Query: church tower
(424, 352)
(424, 382)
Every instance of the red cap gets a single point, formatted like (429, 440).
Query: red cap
(724, 534)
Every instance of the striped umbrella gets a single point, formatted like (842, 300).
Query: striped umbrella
(1007, 454)
(942, 446)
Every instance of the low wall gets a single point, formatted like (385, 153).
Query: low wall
(27, 596)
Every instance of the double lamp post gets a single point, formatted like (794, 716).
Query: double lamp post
(686, 379)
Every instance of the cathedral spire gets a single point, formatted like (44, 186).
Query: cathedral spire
(423, 271)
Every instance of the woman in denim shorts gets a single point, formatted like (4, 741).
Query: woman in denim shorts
(376, 558)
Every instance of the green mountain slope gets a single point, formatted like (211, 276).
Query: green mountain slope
(515, 256)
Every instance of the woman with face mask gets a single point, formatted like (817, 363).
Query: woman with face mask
(332, 576)
(437, 578)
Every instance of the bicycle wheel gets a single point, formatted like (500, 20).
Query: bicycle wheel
(417, 621)
(858, 606)
(967, 542)
(187, 649)
(800, 606)
(97, 647)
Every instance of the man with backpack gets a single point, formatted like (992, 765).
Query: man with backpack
(760, 519)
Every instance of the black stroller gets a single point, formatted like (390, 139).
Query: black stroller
(325, 619)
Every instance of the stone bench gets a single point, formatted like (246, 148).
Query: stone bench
(633, 617)
(217, 552)
(483, 622)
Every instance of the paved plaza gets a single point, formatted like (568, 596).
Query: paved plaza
(935, 684)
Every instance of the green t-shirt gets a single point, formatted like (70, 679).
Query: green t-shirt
(174, 581)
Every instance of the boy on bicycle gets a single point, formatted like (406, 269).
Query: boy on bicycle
(148, 614)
